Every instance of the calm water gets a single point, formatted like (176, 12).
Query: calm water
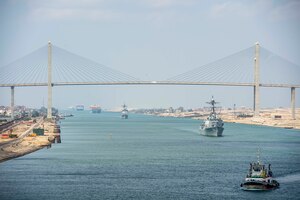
(147, 157)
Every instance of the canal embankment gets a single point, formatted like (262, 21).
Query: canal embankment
(28, 136)
(279, 117)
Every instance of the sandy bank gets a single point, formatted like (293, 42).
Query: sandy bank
(25, 143)
(280, 117)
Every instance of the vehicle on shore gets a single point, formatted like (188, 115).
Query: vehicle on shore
(259, 178)
(213, 125)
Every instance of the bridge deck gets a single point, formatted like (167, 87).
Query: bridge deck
(149, 83)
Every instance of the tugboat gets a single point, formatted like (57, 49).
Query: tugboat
(124, 112)
(213, 125)
(259, 178)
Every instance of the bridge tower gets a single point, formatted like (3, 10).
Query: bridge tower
(12, 101)
(256, 105)
(49, 109)
(293, 96)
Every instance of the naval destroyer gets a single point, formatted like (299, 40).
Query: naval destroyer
(124, 112)
(213, 125)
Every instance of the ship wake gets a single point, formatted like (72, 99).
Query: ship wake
(289, 178)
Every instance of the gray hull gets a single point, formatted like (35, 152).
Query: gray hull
(124, 116)
(213, 132)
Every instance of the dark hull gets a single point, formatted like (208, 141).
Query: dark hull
(96, 111)
(124, 116)
(259, 186)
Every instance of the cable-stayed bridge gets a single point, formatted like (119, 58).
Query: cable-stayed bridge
(53, 66)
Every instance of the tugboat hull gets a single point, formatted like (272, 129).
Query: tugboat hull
(259, 186)
(212, 132)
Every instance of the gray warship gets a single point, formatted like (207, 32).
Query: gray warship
(213, 125)
(124, 112)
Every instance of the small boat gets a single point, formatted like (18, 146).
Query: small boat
(63, 116)
(259, 178)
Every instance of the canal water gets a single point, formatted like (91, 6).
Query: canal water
(145, 157)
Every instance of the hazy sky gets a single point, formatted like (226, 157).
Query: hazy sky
(150, 40)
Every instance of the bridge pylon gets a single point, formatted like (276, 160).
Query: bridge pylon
(256, 106)
(12, 101)
(293, 97)
(49, 109)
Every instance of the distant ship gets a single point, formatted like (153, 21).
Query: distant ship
(259, 177)
(124, 112)
(95, 108)
(80, 107)
(213, 125)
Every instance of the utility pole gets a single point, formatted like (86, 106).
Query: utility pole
(49, 111)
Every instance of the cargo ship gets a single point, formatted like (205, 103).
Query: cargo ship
(95, 108)
(259, 177)
(213, 125)
(80, 107)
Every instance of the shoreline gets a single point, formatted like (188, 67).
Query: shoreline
(20, 154)
(259, 123)
(279, 118)
(27, 143)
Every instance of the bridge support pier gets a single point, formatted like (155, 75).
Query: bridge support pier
(12, 102)
(49, 109)
(293, 97)
(256, 106)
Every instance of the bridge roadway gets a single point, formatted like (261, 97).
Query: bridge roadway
(150, 83)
